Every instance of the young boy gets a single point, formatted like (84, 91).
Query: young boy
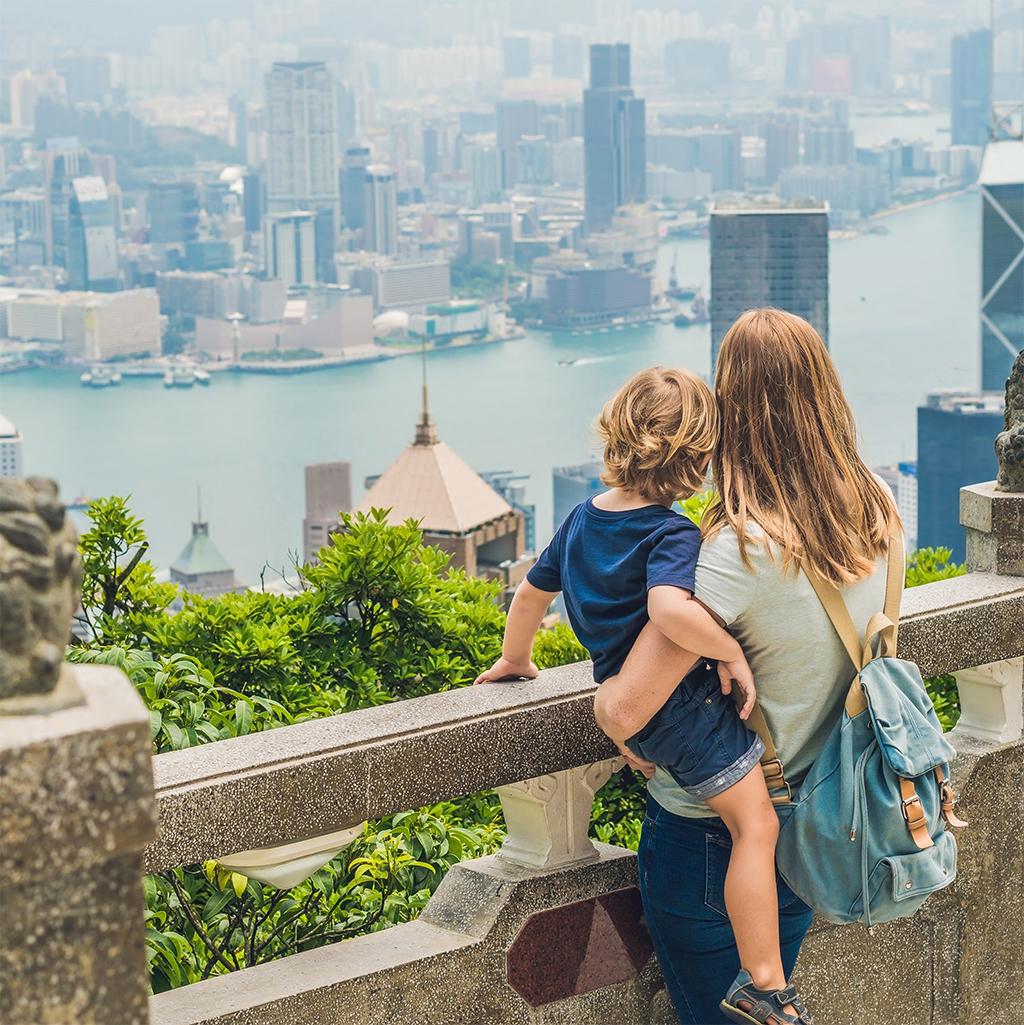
(625, 557)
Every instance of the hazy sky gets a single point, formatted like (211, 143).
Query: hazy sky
(125, 25)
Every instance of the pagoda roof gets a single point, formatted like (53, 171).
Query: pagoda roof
(429, 482)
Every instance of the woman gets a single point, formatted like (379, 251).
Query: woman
(791, 489)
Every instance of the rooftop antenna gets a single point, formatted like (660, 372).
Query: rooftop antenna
(426, 429)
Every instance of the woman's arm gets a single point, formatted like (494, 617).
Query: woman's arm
(626, 702)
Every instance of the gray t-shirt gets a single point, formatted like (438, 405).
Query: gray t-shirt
(801, 669)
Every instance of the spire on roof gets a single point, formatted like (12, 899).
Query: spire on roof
(426, 429)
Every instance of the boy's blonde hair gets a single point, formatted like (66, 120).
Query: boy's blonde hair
(657, 432)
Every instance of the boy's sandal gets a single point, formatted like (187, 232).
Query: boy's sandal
(747, 1004)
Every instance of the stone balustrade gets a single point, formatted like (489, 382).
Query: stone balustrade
(548, 930)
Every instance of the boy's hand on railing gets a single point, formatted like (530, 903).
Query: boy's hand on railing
(506, 669)
(738, 672)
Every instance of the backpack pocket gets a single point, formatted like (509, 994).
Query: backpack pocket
(900, 883)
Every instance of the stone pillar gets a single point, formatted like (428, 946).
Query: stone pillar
(76, 791)
(994, 521)
(991, 699)
(548, 817)
(76, 810)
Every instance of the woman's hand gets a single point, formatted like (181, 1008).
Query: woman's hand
(738, 672)
(506, 669)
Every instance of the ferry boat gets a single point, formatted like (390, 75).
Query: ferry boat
(180, 377)
(79, 503)
(202, 377)
(100, 377)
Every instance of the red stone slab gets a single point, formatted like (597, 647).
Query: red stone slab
(577, 948)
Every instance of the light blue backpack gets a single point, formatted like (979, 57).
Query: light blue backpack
(865, 838)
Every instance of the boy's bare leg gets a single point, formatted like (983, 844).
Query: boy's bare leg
(751, 897)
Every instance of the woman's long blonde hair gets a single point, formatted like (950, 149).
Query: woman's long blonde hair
(788, 457)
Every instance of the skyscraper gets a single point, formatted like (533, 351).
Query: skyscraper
(92, 237)
(971, 87)
(64, 161)
(614, 137)
(173, 212)
(955, 435)
(302, 139)
(515, 118)
(353, 186)
(574, 484)
(289, 247)
(768, 254)
(1002, 260)
(328, 493)
(381, 210)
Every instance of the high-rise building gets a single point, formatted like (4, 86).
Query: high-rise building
(173, 212)
(64, 160)
(568, 56)
(614, 137)
(781, 146)
(302, 138)
(92, 237)
(906, 498)
(971, 88)
(381, 219)
(353, 186)
(253, 201)
(1002, 260)
(955, 436)
(10, 449)
(328, 493)
(289, 247)
(572, 485)
(768, 253)
(827, 144)
(515, 119)
(697, 66)
(517, 60)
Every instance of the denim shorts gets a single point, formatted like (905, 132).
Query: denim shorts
(698, 736)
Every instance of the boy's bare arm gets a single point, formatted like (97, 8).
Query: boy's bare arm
(529, 606)
(689, 625)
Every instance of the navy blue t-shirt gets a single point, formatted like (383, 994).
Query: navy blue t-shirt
(605, 562)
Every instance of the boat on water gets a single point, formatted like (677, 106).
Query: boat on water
(202, 377)
(698, 312)
(100, 377)
(677, 291)
(181, 377)
(568, 362)
(79, 503)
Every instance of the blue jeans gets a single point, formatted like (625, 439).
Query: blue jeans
(682, 864)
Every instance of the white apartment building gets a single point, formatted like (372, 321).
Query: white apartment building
(10, 449)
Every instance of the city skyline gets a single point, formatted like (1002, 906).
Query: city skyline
(268, 191)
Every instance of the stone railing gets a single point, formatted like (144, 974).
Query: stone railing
(548, 930)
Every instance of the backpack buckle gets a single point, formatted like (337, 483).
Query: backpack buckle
(913, 812)
(775, 779)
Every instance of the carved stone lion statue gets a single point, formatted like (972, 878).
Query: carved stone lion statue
(1010, 443)
(40, 575)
